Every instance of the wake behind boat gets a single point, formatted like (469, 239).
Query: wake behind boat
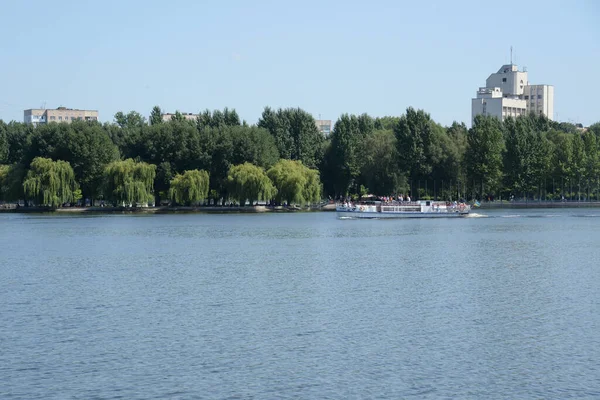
(402, 209)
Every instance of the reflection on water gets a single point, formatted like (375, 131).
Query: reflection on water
(300, 306)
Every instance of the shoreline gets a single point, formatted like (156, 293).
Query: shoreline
(265, 209)
(164, 210)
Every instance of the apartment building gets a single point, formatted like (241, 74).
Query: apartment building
(169, 116)
(324, 126)
(61, 114)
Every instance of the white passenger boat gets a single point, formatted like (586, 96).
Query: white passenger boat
(402, 209)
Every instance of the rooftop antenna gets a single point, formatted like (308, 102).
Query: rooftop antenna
(510, 55)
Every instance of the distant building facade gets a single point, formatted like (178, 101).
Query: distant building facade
(37, 116)
(324, 126)
(169, 116)
(507, 93)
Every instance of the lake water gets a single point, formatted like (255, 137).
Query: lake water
(282, 306)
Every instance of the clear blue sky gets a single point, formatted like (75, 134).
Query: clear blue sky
(327, 57)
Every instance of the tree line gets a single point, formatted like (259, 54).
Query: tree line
(218, 158)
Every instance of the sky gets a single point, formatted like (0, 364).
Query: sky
(326, 57)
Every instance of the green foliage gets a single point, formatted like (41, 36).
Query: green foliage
(249, 182)
(11, 179)
(218, 118)
(296, 134)
(3, 143)
(18, 139)
(386, 123)
(295, 183)
(130, 120)
(343, 160)
(89, 149)
(527, 155)
(413, 141)
(189, 188)
(483, 157)
(361, 152)
(156, 116)
(595, 129)
(77, 195)
(178, 117)
(50, 183)
(129, 182)
(379, 171)
(86, 146)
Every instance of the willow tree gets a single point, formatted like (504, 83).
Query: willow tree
(249, 182)
(128, 182)
(190, 187)
(49, 183)
(295, 183)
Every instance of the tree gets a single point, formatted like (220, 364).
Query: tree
(50, 183)
(343, 159)
(189, 188)
(178, 117)
(595, 129)
(218, 118)
(128, 182)
(253, 145)
(11, 182)
(296, 134)
(17, 136)
(413, 140)
(88, 149)
(561, 160)
(250, 183)
(386, 123)
(3, 143)
(295, 183)
(483, 157)
(379, 171)
(458, 133)
(527, 155)
(156, 116)
(132, 119)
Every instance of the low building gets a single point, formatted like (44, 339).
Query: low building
(61, 114)
(491, 101)
(189, 116)
(324, 126)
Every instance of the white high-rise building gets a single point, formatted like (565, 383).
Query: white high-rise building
(507, 93)
(540, 99)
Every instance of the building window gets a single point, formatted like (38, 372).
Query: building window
(60, 118)
(526, 97)
(539, 96)
(503, 79)
(52, 117)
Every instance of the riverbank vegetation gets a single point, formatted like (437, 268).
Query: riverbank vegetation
(284, 159)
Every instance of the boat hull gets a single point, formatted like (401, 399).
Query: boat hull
(406, 214)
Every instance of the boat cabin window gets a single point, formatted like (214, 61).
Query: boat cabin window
(427, 203)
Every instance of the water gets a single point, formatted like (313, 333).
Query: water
(300, 306)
